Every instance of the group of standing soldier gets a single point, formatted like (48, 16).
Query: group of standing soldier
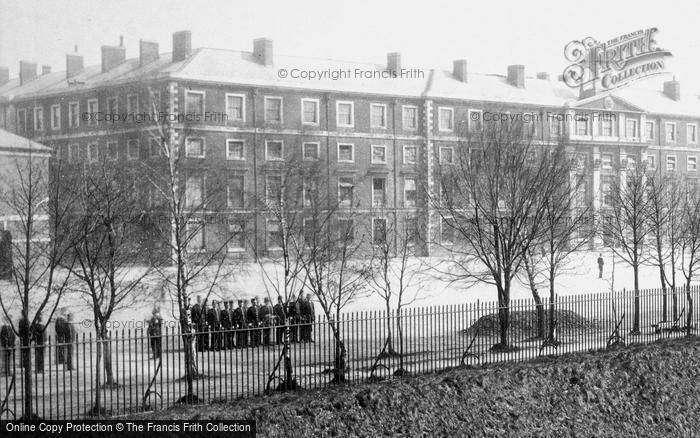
(225, 325)
(35, 333)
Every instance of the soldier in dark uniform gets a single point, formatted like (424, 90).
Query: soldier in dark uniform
(60, 327)
(239, 323)
(197, 322)
(204, 328)
(7, 342)
(25, 346)
(293, 315)
(37, 334)
(70, 339)
(226, 326)
(155, 333)
(214, 326)
(278, 311)
(231, 335)
(266, 317)
(253, 321)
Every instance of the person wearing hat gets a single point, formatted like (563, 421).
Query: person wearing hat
(240, 324)
(155, 333)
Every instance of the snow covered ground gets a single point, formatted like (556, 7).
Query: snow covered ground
(581, 277)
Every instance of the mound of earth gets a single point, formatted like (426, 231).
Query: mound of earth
(650, 390)
(524, 323)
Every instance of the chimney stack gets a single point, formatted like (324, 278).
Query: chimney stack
(27, 72)
(148, 52)
(45, 69)
(4, 75)
(262, 51)
(112, 56)
(516, 75)
(74, 64)
(182, 45)
(393, 62)
(672, 89)
(459, 69)
(543, 75)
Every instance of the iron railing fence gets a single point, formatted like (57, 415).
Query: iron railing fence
(422, 340)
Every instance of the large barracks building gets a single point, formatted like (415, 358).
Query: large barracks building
(380, 131)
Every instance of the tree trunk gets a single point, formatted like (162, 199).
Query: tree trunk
(27, 368)
(191, 372)
(340, 354)
(97, 406)
(552, 312)
(400, 333)
(689, 316)
(389, 335)
(664, 295)
(539, 306)
(637, 302)
(103, 336)
(289, 381)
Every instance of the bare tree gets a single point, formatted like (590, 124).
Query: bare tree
(628, 225)
(40, 246)
(493, 198)
(329, 253)
(186, 198)
(690, 248)
(665, 202)
(282, 204)
(395, 277)
(106, 224)
(566, 228)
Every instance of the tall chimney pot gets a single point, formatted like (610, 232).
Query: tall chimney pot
(27, 72)
(182, 45)
(516, 75)
(459, 69)
(262, 51)
(393, 62)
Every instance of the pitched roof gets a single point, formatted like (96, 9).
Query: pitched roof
(241, 68)
(14, 142)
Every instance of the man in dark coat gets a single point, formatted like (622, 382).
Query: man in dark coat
(25, 346)
(204, 328)
(60, 327)
(279, 313)
(239, 323)
(600, 265)
(7, 342)
(155, 333)
(214, 322)
(37, 334)
(266, 318)
(253, 322)
(226, 326)
(199, 323)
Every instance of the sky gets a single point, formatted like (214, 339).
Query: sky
(430, 34)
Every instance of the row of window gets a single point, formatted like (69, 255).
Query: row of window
(691, 163)
(112, 151)
(345, 231)
(235, 191)
(608, 128)
(75, 117)
(274, 151)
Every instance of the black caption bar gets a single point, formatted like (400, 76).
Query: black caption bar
(130, 428)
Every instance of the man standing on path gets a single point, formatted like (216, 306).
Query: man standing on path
(7, 343)
(600, 265)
